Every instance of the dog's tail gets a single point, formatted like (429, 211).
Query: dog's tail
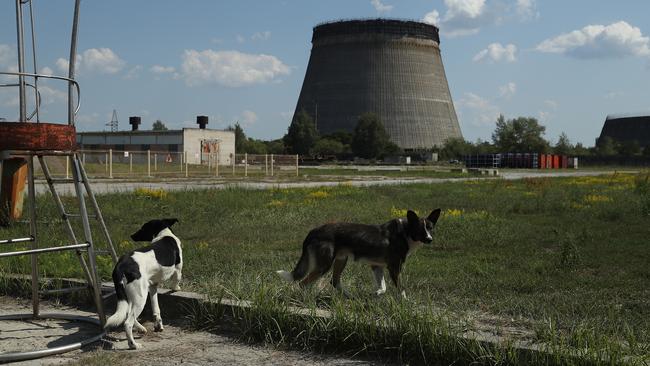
(298, 273)
(122, 310)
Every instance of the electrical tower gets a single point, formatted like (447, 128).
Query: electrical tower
(113, 123)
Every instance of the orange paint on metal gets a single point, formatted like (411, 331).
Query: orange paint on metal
(12, 189)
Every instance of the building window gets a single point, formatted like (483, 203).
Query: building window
(119, 147)
(145, 147)
(173, 147)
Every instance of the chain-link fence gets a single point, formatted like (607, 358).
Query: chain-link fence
(147, 164)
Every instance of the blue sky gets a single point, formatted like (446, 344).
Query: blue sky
(567, 63)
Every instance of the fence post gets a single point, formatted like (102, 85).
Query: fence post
(67, 167)
(245, 164)
(130, 163)
(110, 163)
(233, 157)
(297, 165)
(148, 163)
(266, 164)
(216, 170)
(106, 163)
(83, 158)
(186, 165)
(181, 161)
(271, 164)
(155, 162)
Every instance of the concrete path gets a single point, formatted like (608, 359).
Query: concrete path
(100, 186)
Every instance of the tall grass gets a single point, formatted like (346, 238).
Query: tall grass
(554, 261)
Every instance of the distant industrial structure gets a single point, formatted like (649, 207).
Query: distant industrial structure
(627, 128)
(392, 68)
(201, 144)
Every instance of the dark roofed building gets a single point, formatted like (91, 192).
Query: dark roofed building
(627, 128)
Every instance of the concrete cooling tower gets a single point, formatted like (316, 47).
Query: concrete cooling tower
(390, 67)
(627, 128)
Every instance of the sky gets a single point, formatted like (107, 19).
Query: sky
(567, 63)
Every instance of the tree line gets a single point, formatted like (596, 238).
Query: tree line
(368, 140)
(371, 141)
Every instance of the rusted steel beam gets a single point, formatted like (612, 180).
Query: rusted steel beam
(37, 136)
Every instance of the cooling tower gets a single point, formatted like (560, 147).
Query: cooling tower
(628, 128)
(390, 67)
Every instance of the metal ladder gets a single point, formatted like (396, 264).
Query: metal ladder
(78, 176)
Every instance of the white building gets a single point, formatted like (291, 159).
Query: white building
(200, 144)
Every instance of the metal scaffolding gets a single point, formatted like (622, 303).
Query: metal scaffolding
(30, 139)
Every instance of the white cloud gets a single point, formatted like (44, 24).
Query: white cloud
(508, 91)
(100, 60)
(616, 40)
(51, 95)
(240, 38)
(7, 56)
(248, 118)
(432, 17)
(381, 7)
(526, 9)
(157, 69)
(463, 17)
(467, 17)
(261, 36)
(46, 71)
(496, 52)
(230, 68)
(481, 112)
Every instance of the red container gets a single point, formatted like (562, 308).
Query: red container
(542, 161)
(556, 161)
(565, 162)
(549, 161)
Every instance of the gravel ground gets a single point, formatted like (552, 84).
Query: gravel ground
(176, 345)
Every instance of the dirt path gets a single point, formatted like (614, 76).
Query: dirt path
(176, 345)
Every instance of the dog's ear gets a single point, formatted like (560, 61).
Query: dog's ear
(169, 222)
(412, 217)
(434, 216)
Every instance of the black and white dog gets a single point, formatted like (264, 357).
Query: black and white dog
(141, 271)
(386, 245)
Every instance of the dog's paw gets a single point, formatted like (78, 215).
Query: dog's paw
(176, 288)
(158, 326)
(404, 295)
(380, 292)
(141, 329)
(134, 345)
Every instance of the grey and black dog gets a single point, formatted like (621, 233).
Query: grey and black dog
(386, 245)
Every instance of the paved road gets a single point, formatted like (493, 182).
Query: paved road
(115, 186)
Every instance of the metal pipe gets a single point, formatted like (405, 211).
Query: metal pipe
(72, 60)
(21, 61)
(21, 356)
(19, 240)
(98, 212)
(38, 97)
(44, 250)
(36, 93)
(48, 77)
(32, 233)
(89, 238)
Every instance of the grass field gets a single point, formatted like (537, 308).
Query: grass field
(561, 262)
